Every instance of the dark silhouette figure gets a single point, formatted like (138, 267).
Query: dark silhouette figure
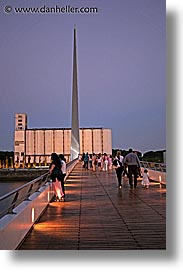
(133, 163)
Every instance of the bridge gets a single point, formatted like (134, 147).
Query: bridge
(96, 214)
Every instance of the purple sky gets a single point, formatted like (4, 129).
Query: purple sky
(121, 69)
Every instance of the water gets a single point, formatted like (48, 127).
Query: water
(8, 186)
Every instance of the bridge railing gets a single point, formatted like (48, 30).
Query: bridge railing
(154, 166)
(21, 216)
(12, 199)
(156, 171)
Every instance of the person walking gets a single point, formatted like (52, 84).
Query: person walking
(105, 162)
(132, 161)
(56, 176)
(64, 171)
(145, 179)
(118, 164)
(82, 159)
(90, 161)
(94, 162)
(99, 160)
(86, 160)
(110, 163)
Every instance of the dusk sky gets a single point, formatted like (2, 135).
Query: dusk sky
(121, 53)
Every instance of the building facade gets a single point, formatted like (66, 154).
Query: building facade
(33, 147)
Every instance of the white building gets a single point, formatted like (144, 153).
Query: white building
(34, 146)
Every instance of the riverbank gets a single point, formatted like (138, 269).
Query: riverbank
(21, 174)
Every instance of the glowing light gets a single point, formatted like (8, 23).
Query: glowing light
(160, 181)
(33, 214)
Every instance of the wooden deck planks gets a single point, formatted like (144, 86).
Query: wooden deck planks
(98, 216)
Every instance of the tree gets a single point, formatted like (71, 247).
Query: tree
(154, 156)
(6, 155)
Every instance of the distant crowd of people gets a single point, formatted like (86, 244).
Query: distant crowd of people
(128, 165)
(101, 161)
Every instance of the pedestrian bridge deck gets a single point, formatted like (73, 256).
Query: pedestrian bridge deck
(97, 215)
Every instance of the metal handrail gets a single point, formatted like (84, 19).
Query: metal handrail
(154, 166)
(22, 193)
(21, 187)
